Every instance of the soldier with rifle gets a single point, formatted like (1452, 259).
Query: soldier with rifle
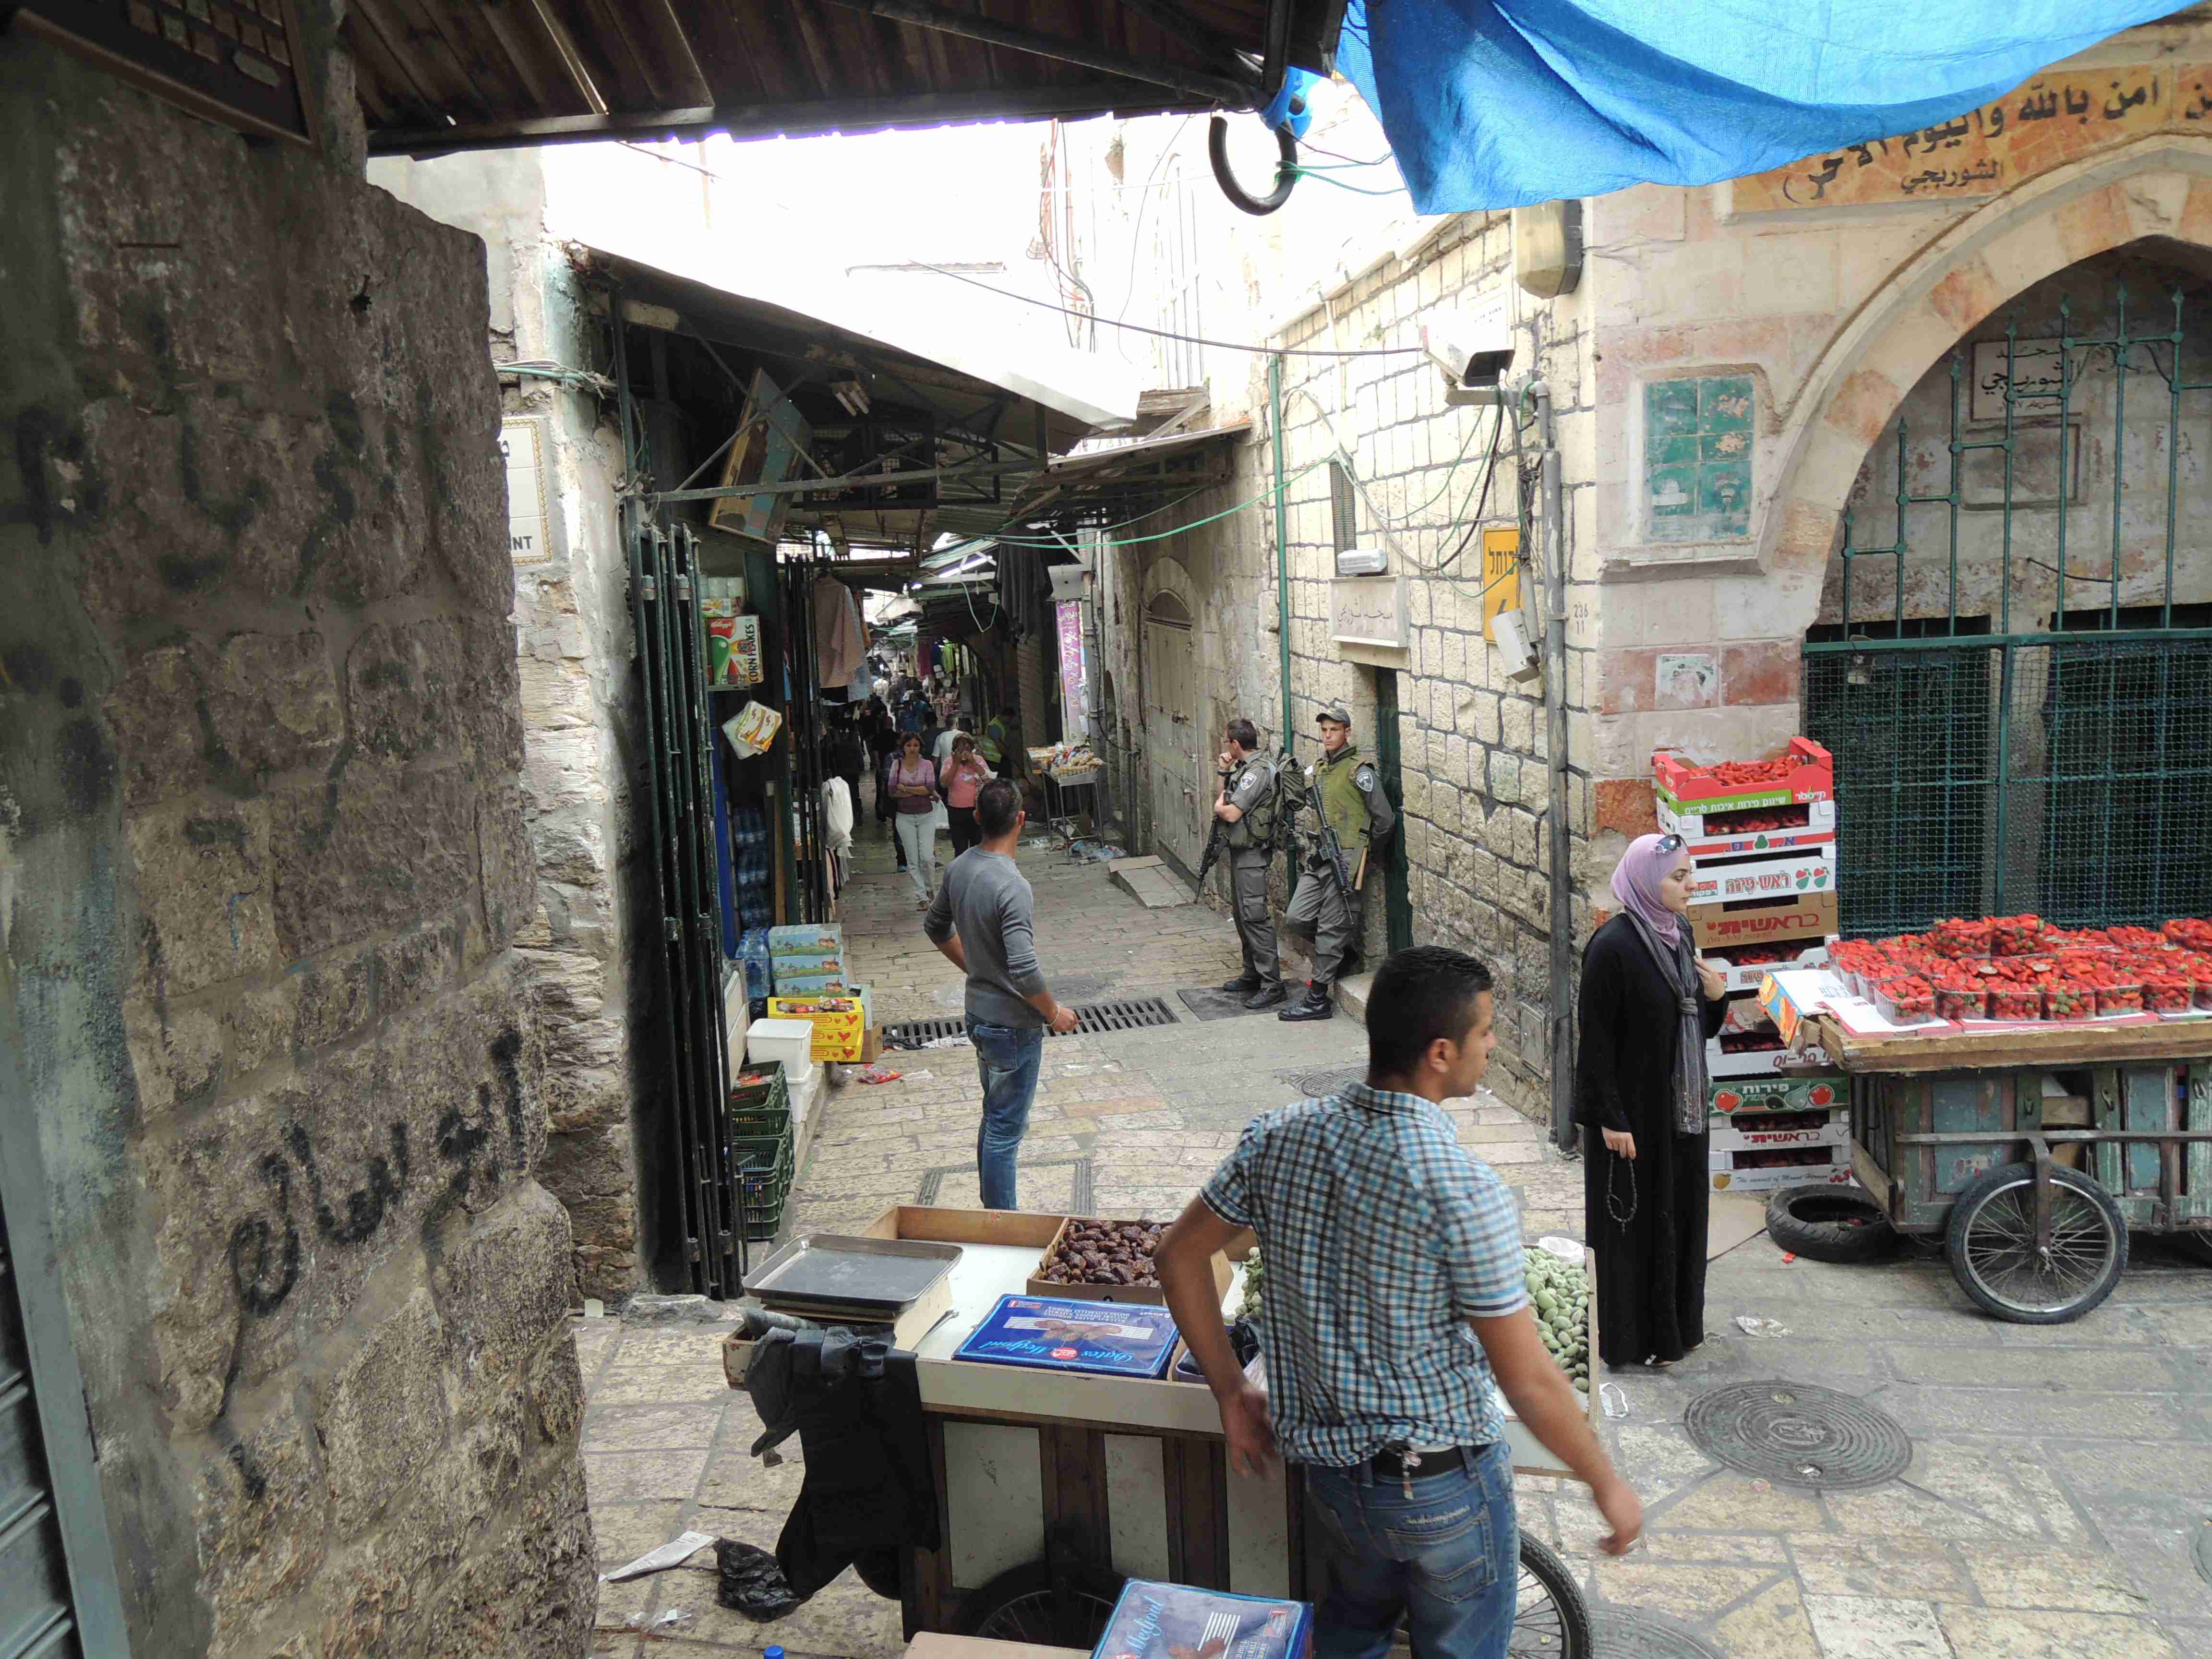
(1344, 814)
(1244, 825)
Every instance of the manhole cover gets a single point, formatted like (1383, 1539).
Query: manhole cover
(2204, 1550)
(1316, 1085)
(1798, 1435)
(1625, 1635)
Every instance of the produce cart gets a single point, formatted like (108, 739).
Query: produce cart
(2031, 1152)
(1053, 1486)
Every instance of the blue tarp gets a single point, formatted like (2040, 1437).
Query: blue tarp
(1496, 103)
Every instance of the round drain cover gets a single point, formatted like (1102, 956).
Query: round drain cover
(1317, 1085)
(1622, 1634)
(1796, 1434)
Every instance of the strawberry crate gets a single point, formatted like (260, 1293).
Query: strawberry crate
(1758, 830)
(1778, 1094)
(1771, 1169)
(1803, 772)
(1745, 967)
(1809, 918)
(1726, 881)
(1751, 1132)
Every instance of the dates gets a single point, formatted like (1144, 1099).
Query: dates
(1104, 1253)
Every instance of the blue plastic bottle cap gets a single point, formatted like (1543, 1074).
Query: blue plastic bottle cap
(773, 1653)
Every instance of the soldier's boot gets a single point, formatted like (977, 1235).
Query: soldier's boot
(1267, 996)
(1315, 1004)
(1246, 983)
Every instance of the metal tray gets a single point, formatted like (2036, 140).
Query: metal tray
(833, 1270)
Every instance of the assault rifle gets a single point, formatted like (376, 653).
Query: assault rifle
(1331, 849)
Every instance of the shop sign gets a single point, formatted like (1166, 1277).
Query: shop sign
(1074, 676)
(522, 445)
(1501, 576)
(1369, 610)
(2031, 130)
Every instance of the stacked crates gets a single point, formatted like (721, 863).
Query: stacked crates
(1764, 897)
(761, 1145)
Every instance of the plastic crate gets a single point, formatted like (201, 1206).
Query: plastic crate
(763, 1108)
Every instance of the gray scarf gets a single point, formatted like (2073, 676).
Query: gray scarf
(1678, 966)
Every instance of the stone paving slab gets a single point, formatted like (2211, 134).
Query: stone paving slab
(2059, 1475)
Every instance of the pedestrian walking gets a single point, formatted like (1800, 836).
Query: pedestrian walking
(1247, 805)
(914, 793)
(1396, 1298)
(983, 921)
(961, 777)
(1649, 1003)
(1325, 911)
(941, 750)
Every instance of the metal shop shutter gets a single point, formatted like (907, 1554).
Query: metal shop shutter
(37, 1615)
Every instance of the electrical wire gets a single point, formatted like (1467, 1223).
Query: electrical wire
(1311, 149)
(1356, 190)
(1211, 518)
(1169, 334)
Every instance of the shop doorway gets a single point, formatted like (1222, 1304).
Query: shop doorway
(2013, 660)
(1172, 738)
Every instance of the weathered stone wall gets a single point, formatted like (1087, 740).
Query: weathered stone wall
(576, 645)
(265, 866)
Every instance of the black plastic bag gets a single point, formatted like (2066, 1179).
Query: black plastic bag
(751, 1582)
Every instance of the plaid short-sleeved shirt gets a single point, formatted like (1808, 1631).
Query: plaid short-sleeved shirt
(1381, 1239)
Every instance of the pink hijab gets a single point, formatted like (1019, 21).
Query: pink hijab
(1635, 883)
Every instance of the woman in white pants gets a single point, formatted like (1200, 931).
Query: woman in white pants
(913, 788)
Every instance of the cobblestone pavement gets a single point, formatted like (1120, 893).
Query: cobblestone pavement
(2059, 1479)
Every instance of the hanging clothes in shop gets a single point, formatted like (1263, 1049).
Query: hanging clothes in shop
(840, 648)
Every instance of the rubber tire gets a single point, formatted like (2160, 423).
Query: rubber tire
(1995, 1181)
(1286, 176)
(1795, 1222)
(980, 1607)
(1581, 1636)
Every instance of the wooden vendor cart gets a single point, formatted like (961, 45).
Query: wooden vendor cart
(1054, 1487)
(2033, 1152)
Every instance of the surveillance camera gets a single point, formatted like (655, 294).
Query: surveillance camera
(1473, 348)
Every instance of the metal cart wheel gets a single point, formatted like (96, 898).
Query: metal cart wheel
(1550, 1616)
(2198, 1245)
(1991, 1243)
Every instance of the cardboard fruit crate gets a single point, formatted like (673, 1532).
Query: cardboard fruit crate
(1736, 1172)
(1710, 834)
(1761, 1062)
(1799, 873)
(1799, 1129)
(1809, 917)
(1779, 1094)
(1040, 1285)
(1741, 975)
(1687, 787)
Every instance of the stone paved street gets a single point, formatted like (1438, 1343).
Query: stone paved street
(2058, 1476)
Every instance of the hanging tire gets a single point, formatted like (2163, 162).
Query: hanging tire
(1991, 1242)
(1829, 1224)
(1549, 1616)
(1022, 1605)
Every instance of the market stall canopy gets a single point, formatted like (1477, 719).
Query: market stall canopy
(875, 394)
(441, 75)
(1493, 104)
(1111, 481)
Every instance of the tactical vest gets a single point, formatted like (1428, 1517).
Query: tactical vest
(993, 742)
(1341, 801)
(1257, 827)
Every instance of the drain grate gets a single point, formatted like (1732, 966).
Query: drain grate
(1797, 1434)
(1625, 1635)
(1130, 1014)
(1317, 1085)
(912, 1033)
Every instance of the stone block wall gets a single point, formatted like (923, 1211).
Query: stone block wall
(265, 866)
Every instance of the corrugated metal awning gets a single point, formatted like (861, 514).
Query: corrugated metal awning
(439, 75)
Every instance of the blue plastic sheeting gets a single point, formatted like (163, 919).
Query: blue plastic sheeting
(1496, 103)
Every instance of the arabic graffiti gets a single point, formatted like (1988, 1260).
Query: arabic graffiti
(1988, 149)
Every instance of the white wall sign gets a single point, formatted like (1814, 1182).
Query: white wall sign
(522, 443)
(1369, 610)
(2037, 366)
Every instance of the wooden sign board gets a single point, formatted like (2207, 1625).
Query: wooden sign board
(2031, 130)
(235, 61)
(1501, 576)
(772, 437)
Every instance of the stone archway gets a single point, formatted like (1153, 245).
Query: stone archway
(2159, 188)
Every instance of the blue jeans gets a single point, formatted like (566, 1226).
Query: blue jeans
(1447, 1560)
(1006, 1059)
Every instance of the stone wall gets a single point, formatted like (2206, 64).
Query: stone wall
(579, 698)
(263, 870)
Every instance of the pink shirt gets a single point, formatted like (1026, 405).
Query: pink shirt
(962, 779)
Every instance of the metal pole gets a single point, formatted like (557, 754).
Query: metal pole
(1555, 722)
(1282, 549)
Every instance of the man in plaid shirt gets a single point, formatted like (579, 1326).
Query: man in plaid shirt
(1396, 1314)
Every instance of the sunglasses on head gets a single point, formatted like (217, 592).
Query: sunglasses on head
(1670, 843)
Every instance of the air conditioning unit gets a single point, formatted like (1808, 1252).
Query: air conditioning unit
(1361, 561)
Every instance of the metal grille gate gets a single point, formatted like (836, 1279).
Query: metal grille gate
(679, 736)
(2025, 755)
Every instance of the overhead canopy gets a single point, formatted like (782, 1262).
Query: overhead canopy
(1116, 481)
(438, 75)
(1497, 103)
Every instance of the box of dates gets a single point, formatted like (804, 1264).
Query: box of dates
(1097, 1261)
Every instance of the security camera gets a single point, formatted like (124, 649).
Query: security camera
(1473, 348)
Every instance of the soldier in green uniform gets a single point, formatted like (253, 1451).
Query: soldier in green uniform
(1351, 799)
(1247, 805)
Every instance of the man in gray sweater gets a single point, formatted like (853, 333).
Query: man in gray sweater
(982, 919)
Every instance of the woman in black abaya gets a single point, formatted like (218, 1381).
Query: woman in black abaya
(1649, 1003)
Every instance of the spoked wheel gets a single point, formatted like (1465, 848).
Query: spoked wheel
(1550, 1616)
(1991, 1241)
(1024, 1605)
